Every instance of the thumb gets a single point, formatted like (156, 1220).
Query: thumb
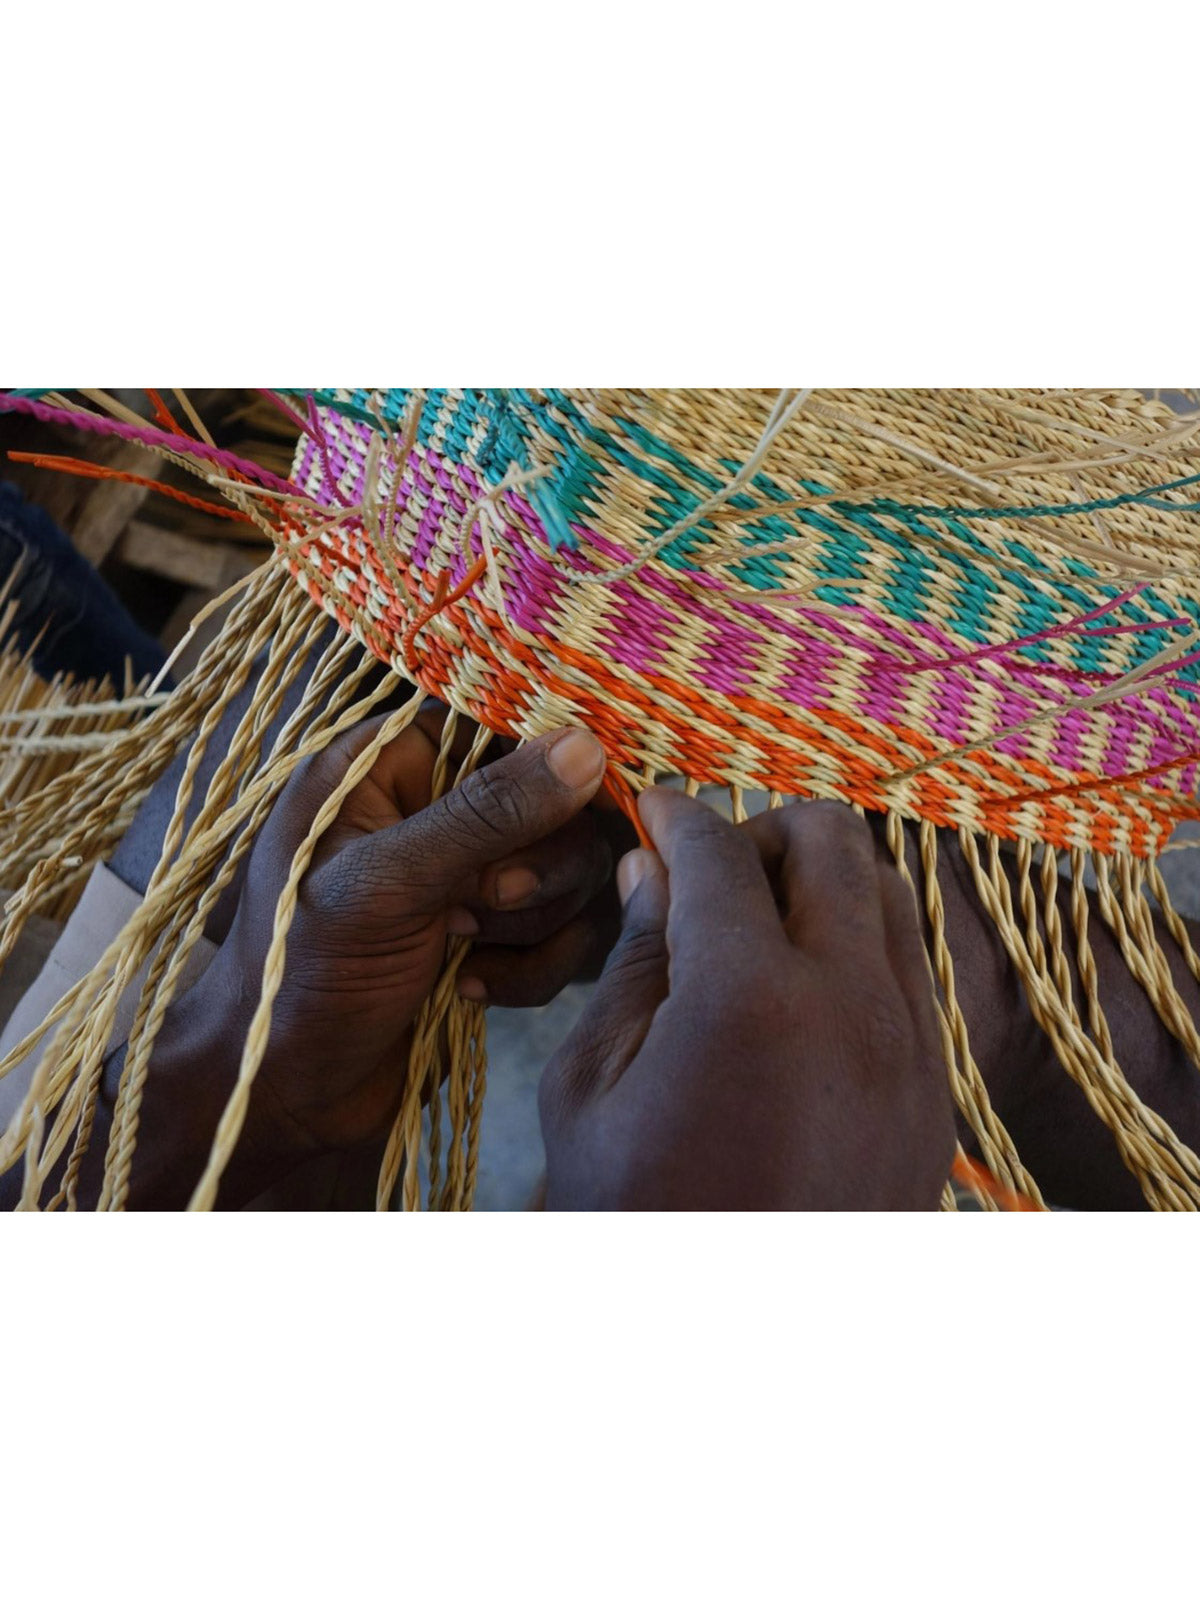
(423, 864)
(629, 992)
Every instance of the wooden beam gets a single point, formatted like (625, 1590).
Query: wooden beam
(196, 563)
(109, 506)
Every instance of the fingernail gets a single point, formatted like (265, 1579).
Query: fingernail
(631, 869)
(472, 989)
(577, 759)
(462, 922)
(513, 884)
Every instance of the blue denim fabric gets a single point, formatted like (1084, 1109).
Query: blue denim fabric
(66, 612)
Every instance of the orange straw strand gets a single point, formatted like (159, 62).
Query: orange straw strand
(92, 469)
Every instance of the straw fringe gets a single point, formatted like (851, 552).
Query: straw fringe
(284, 665)
(966, 1081)
(453, 620)
(83, 1019)
(1168, 1172)
(234, 1115)
(447, 1049)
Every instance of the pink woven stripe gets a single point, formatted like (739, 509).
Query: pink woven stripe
(647, 610)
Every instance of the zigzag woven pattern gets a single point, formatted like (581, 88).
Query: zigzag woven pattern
(977, 609)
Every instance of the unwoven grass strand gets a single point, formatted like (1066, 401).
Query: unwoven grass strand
(310, 716)
(1139, 945)
(160, 991)
(434, 1139)
(1107, 1090)
(1158, 887)
(964, 1096)
(970, 1092)
(255, 1047)
(83, 1025)
(96, 1019)
(160, 985)
(1147, 1145)
(1167, 999)
(54, 833)
(72, 817)
(1168, 1172)
(447, 1048)
(288, 656)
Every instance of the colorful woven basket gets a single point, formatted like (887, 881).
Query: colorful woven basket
(969, 610)
(833, 624)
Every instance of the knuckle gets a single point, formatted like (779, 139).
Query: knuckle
(639, 951)
(310, 784)
(732, 853)
(830, 823)
(886, 1028)
(340, 882)
(550, 1093)
(490, 802)
(837, 815)
(699, 823)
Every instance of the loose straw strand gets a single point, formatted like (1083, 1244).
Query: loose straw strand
(234, 1115)
(995, 1144)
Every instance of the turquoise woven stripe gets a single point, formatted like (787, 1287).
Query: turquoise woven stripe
(453, 418)
(437, 400)
(845, 534)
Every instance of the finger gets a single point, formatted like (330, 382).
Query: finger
(632, 986)
(533, 976)
(403, 764)
(721, 902)
(822, 859)
(526, 926)
(574, 861)
(431, 860)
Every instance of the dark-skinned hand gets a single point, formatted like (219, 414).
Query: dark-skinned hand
(511, 855)
(762, 1036)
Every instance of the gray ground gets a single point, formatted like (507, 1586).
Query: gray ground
(510, 1148)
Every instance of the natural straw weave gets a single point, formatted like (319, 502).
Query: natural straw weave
(44, 728)
(970, 610)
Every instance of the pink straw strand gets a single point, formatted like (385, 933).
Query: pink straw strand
(91, 423)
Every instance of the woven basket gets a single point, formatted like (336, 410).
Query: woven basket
(968, 610)
(850, 621)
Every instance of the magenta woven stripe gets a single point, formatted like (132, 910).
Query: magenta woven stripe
(649, 608)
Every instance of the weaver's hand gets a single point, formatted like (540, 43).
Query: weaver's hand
(510, 855)
(762, 1035)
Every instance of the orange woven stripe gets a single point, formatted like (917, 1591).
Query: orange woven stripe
(707, 734)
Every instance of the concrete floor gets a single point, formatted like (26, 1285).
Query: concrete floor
(510, 1146)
